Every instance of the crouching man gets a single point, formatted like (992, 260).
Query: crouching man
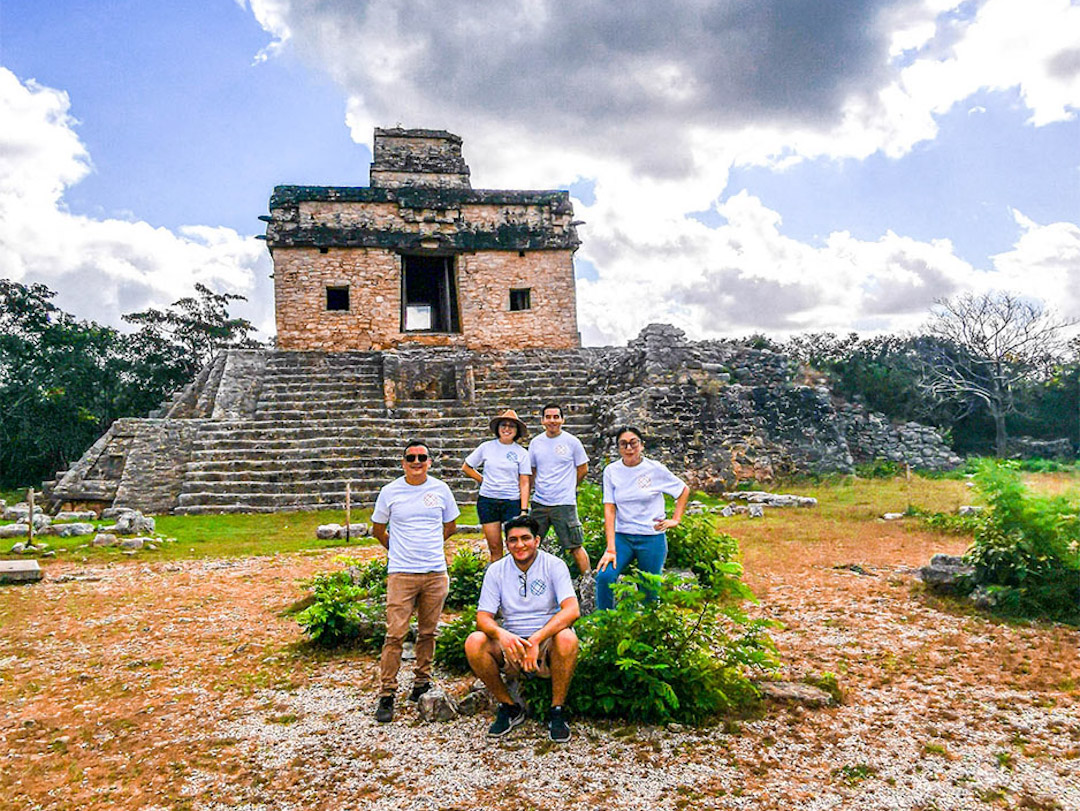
(533, 590)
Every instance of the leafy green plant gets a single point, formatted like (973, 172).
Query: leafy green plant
(696, 545)
(342, 613)
(450, 647)
(1026, 553)
(879, 469)
(948, 523)
(466, 577)
(682, 657)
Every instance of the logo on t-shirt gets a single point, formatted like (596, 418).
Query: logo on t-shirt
(562, 449)
(643, 481)
(431, 500)
(511, 456)
(537, 587)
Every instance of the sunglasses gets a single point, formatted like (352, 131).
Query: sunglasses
(416, 457)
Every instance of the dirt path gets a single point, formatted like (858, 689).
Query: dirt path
(179, 686)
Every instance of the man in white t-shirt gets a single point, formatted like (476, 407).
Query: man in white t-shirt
(533, 592)
(559, 463)
(413, 517)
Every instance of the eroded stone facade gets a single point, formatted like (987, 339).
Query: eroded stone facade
(420, 257)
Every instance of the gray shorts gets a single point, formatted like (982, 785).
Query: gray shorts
(564, 518)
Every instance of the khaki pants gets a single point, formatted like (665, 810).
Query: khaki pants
(406, 593)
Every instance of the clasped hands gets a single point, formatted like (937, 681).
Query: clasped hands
(523, 653)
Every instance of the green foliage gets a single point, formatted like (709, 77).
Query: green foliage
(343, 613)
(879, 469)
(591, 513)
(947, 523)
(696, 545)
(1026, 551)
(450, 649)
(466, 577)
(681, 657)
(828, 682)
(63, 381)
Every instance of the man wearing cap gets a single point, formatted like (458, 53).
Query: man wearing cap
(413, 516)
(504, 483)
(532, 592)
(559, 463)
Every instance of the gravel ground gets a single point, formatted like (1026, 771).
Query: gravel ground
(181, 686)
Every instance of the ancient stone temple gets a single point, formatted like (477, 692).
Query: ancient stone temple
(420, 256)
(420, 307)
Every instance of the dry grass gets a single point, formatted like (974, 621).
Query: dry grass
(178, 685)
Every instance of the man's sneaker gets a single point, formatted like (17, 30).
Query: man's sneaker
(418, 690)
(507, 717)
(385, 711)
(557, 726)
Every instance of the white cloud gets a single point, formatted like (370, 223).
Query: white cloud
(656, 107)
(99, 268)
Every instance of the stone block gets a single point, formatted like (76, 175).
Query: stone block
(14, 530)
(326, 532)
(76, 515)
(20, 571)
(73, 530)
(436, 705)
(104, 539)
(795, 692)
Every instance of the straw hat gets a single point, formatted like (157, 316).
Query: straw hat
(511, 415)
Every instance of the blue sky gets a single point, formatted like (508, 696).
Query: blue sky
(776, 166)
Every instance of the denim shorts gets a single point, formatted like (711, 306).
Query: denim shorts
(501, 510)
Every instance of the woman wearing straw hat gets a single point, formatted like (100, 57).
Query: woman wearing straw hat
(504, 483)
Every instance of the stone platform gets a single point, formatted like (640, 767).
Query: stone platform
(265, 431)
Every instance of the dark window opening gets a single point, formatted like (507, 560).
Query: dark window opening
(429, 294)
(520, 299)
(324, 250)
(337, 298)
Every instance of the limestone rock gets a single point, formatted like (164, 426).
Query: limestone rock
(795, 692)
(757, 510)
(771, 499)
(892, 516)
(132, 543)
(355, 531)
(73, 530)
(326, 532)
(104, 539)
(970, 509)
(14, 530)
(109, 513)
(134, 523)
(20, 512)
(20, 571)
(945, 572)
(436, 705)
(78, 515)
(18, 548)
(475, 702)
(470, 528)
(585, 586)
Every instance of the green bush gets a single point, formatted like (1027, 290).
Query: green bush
(343, 613)
(696, 545)
(466, 577)
(948, 523)
(450, 647)
(683, 657)
(1026, 553)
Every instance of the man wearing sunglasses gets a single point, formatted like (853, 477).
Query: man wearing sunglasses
(533, 590)
(413, 517)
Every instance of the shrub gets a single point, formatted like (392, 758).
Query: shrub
(1026, 552)
(450, 648)
(879, 469)
(681, 657)
(696, 545)
(342, 613)
(466, 577)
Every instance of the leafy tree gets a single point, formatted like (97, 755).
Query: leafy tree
(63, 381)
(987, 347)
(195, 328)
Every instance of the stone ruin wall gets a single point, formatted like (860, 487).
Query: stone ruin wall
(723, 412)
(373, 321)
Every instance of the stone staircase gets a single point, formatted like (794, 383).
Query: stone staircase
(321, 421)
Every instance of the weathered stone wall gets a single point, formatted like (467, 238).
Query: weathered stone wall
(1026, 447)
(719, 412)
(138, 463)
(373, 321)
(411, 157)
(871, 436)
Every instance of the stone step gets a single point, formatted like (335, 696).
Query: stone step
(316, 481)
(334, 434)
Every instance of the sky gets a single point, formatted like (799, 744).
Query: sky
(741, 166)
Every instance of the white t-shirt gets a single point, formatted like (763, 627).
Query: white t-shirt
(638, 494)
(546, 584)
(555, 461)
(502, 465)
(415, 514)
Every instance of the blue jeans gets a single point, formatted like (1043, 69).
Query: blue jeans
(650, 551)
